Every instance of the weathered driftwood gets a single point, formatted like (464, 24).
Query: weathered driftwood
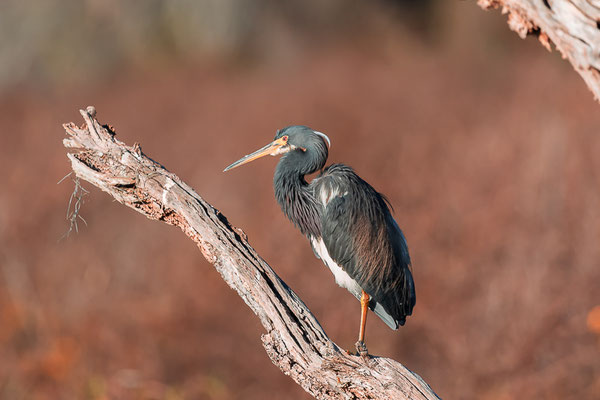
(572, 25)
(294, 340)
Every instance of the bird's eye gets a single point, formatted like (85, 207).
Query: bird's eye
(284, 138)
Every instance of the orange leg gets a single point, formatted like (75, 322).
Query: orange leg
(364, 307)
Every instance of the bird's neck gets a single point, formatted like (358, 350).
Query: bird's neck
(295, 196)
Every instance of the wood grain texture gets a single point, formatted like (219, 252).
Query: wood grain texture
(572, 25)
(294, 340)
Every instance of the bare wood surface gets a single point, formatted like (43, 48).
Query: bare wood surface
(572, 25)
(294, 340)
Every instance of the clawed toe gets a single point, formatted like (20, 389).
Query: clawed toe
(361, 348)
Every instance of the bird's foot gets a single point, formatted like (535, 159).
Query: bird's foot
(361, 348)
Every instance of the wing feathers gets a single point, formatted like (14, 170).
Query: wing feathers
(362, 238)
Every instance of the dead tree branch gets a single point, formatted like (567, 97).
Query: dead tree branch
(294, 340)
(572, 25)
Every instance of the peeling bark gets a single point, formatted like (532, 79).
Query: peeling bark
(572, 25)
(294, 340)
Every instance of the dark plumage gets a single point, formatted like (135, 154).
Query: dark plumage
(362, 237)
(347, 222)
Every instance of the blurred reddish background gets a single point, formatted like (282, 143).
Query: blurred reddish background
(486, 145)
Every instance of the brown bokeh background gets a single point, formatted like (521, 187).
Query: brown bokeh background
(486, 145)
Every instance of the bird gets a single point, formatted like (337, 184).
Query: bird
(347, 222)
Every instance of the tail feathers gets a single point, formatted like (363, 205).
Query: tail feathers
(387, 318)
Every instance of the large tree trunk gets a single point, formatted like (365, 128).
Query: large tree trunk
(572, 25)
(294, 340)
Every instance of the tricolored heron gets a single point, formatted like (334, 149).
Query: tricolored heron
(347, 222)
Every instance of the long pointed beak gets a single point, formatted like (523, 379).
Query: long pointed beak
(272, 149)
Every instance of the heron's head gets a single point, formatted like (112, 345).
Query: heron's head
(292, 138)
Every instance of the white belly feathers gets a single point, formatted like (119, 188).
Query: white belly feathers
(341, 277)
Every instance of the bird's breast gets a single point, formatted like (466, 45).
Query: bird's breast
(341, 277)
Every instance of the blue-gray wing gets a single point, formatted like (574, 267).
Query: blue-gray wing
(362, 237)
